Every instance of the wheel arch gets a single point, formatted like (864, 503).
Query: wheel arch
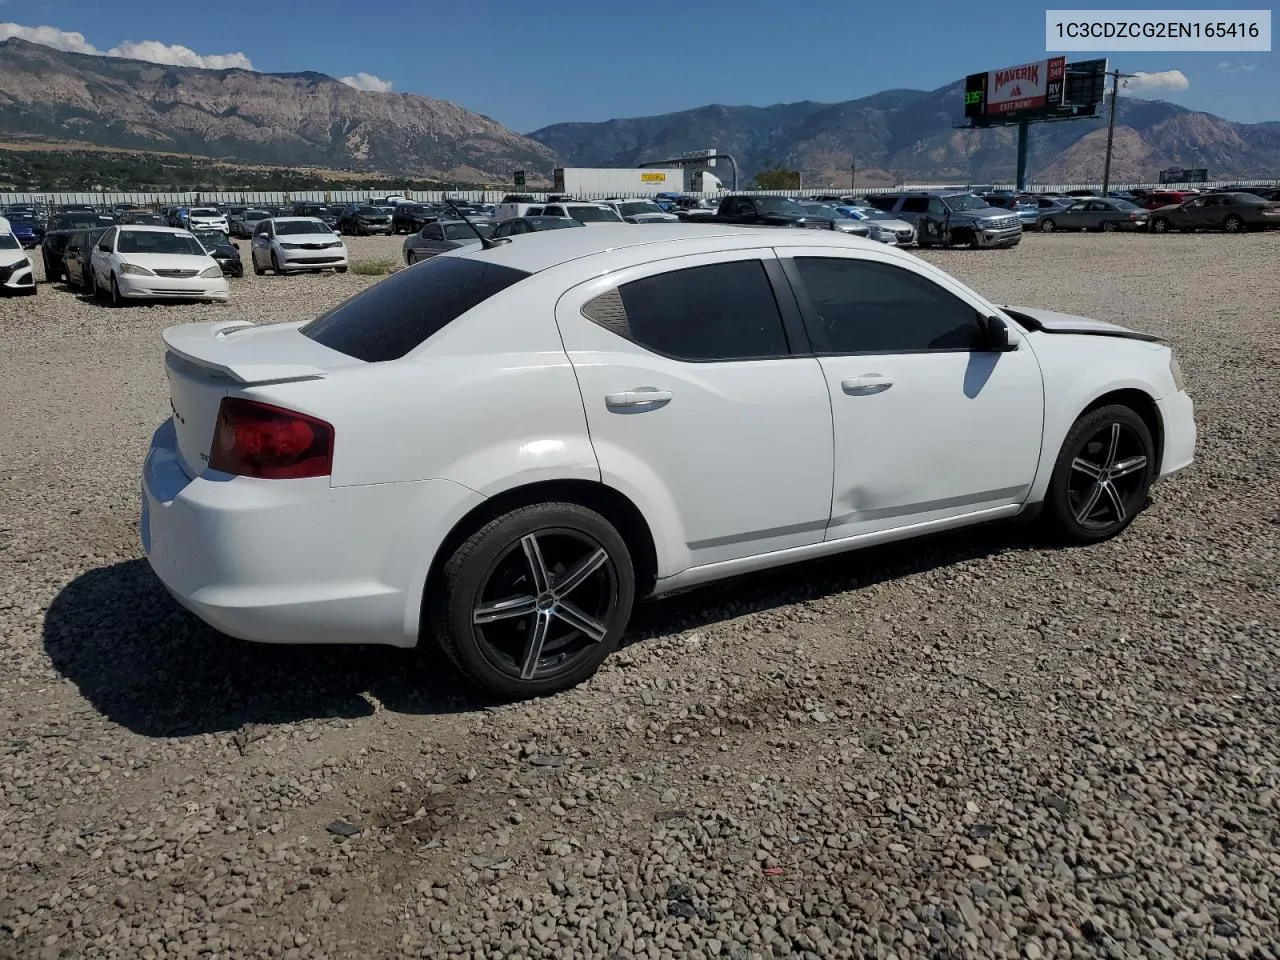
(1141, 403)
(610, 503)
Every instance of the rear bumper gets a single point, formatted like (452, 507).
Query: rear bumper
(1177, 414)
(294, 561)
(175, 288)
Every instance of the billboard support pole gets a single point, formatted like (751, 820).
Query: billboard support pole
(1116, 77)
(1023, 127)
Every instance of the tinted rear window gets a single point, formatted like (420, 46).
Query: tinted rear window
(394, 316)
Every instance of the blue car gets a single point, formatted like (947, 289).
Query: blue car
(26, 228)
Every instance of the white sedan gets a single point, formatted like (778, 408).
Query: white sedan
(502, 448)
(134, 262)
(207, 218)
(282, 244)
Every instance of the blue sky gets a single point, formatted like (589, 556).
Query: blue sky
(529, 64)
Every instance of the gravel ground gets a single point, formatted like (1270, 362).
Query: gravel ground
(977, 746)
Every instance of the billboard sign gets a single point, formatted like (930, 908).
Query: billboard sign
(1184, 175)
(975, 95)
(1024, 88)
(1086, 82)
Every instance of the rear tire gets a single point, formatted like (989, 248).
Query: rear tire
(342, 269)
(1160, 225)
(531, 577)
(1233, 224)
(1109, 226)
(1102, 475)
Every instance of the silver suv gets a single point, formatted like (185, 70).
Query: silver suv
(956, 218)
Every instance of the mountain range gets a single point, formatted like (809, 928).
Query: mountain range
(907, 135)
(313, 120)
(302, 119)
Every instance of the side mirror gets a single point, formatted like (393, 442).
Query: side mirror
(995, 336)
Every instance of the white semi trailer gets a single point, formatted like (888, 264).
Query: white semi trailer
(618, 182)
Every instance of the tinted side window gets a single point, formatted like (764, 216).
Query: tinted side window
(723, 311)
(915, 205)
(869, 307)
(882, 203)
(387, 320)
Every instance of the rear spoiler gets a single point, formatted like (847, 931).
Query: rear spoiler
(205, 344)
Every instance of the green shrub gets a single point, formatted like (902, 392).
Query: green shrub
(373, 268)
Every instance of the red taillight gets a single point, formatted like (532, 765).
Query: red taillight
(255, 439)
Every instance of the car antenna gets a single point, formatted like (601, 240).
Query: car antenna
(487, 242)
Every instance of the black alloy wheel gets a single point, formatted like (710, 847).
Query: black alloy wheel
(534, 601)
(1102, 475)
(1233, 224)
(1160, 225)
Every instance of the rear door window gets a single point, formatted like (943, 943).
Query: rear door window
(722, 311)
(915, 205)
(392, 317)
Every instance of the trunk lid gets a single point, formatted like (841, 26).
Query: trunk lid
(205, 362)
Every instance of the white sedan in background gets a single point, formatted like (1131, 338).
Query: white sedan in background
(135, 262)
(282, 244)
(502, 448)
(207, 218)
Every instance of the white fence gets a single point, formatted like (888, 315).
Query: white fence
(189, 198)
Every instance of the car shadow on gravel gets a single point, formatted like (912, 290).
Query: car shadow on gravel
(816, 579)
(145, 663)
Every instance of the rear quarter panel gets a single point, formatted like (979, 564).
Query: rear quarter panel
(490, 402)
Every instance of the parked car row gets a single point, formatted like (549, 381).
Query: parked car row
(144, 261)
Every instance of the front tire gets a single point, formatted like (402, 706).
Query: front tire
(1102, 475)
(1047, 225)
(535, 600)
(275, 263)
(117, 301)
(342, 269)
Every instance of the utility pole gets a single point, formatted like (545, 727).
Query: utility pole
(853, 174)
(1116, 77)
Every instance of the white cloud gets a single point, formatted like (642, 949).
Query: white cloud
(1163, 81)
(367, 82)
(152, 51)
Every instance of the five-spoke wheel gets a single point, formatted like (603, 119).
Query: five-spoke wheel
(535, 600)
(1104, 470)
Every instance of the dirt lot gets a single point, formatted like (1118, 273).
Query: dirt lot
(976, 747)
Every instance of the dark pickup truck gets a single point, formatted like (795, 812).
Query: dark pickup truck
(760, 212)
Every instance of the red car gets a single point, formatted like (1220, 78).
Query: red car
(1166, 198)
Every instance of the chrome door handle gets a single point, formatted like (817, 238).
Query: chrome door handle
(640, 397)
(867, 383)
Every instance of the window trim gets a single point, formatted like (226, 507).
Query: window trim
(812, 320)
(783, 296)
